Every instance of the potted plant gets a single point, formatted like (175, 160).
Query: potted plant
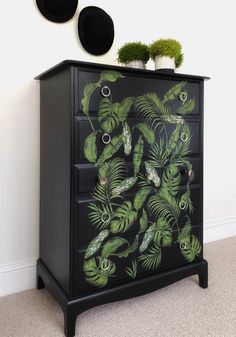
(167, 54)
(134, 54)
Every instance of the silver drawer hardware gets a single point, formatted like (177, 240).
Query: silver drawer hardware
(183, 245)
(190, 172)
(183, 96)
(182, 205)
(105, 91)
(105, 217)
(106, 138)
(102, 180)
(184, 137)
(105, 265)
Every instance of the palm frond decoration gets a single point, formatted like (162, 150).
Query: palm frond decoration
(114, 171)
(152, 259)
(143, 181)
(157, 154)
(164, 205)
(132, 271)
(151, 108)
(186, 200)
(99, 215)
(163, 233)
(182, 148)
(171, 179)
(192, 249)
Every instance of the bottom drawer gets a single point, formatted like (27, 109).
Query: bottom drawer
(110, 261)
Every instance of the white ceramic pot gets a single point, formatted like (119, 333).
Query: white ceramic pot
(164, 62)
(136, 64)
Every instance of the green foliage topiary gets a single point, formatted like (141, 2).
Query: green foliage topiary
(167, 47)
(133, 51)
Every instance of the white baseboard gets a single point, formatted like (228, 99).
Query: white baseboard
(17, 277)
(21, 275)
(219, 229)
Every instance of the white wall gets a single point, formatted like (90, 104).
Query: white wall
(30, 44)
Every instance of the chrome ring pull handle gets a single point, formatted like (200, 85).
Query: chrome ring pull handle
(182, 205)
(105, 91)
(182, 245)
(183, 96)
(105, 265)
(184, 137)
(105, 218)
(106, 138)
(102, 180)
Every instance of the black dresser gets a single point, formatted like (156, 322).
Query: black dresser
(121, 200)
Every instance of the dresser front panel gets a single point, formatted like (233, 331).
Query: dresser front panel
(137, 204)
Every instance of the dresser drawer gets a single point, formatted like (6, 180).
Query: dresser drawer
(85, 225)
(83, 130)
(86, 175)
(133, 86)
(118, 259)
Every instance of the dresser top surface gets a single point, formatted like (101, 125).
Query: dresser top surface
(89, 65)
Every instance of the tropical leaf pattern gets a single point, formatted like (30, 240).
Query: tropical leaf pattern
(137, 211)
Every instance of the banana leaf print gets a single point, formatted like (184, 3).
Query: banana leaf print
(138, 202)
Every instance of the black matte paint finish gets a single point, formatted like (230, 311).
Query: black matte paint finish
(67, 180)
(58, 11)
(96, 30)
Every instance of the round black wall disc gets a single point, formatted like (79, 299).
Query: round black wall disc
(96, 30)
(57, 10)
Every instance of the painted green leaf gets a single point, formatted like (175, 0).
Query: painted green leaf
(173, 140)
(147, 132)
(165, 206)
(171, 179)
(110, 76)
(184, 235)
(122, 110)
(127, 139)
(132, 248)
(193, 249)
(111, 149)
(163, 233)
(132, 271)
(94, 273)
(111, 246)
(90, 148)
(143, 222)
(123, 218)
(152, 259)
(148, 237)
(185, 198)
(106, 116)
(138, 153)
(157, 154)
(124, 186)
(182, 149)
(174, 91)
(95, 244)
(187, 107)
(140, 197)
(88, 90)
(151, 171)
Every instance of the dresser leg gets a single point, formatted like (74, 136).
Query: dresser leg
(40, 283)
(69, 322)
(203, 277)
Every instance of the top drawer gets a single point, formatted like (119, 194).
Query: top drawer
(181, 96)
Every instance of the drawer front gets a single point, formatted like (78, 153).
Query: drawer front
(92, 84)
(86, 175)
(192, 130)
(90, 216)
(113, 261)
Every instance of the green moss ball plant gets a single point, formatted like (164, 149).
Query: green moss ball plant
(167, 53)
(135, 54)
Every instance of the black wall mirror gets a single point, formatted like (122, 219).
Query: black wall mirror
(57, 10)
